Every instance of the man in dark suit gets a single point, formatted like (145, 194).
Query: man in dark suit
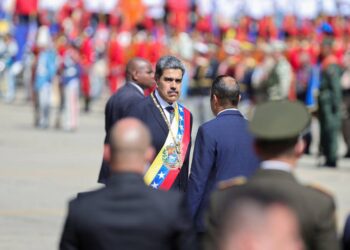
(346, 234)
(223, 148)
(139, 75)
(277, 127)
(170, 124)
(126, 214)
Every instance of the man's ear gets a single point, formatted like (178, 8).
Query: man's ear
(239, 98)
(107, 153)
(215, 99)
(300, 147)
(134, 75)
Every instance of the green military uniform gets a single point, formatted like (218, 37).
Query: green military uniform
(314, 207)
(330, 98)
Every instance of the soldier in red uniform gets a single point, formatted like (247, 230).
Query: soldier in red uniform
(87, 58)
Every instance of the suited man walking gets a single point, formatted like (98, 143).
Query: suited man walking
(126, 214)
(139, 75)
(277, 127)
(223, 148)
(170, 124)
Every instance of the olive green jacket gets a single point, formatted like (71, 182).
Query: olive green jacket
(314, 207)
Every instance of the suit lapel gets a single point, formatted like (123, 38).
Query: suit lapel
(158, 116)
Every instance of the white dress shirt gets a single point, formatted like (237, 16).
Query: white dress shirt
(232, 109)
(164, 104)
(138, 87)
(276, 165)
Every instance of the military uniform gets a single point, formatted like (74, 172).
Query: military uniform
(329, 100)
(314, 207)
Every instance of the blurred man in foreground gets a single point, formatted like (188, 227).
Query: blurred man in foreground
(277, 127)
(258, 221)
(126, 214)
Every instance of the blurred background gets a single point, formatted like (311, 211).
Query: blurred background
(61, 60)
(272, 47)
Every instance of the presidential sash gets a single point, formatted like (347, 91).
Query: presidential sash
(167, 164)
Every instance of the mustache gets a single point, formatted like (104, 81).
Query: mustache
(173, 92)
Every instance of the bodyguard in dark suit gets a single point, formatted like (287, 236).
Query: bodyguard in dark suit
(158, 112)
(277, 127)
(126, 214)
(223, 148)
(139, 75)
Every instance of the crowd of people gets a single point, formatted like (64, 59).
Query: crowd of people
(244, 55)
(240, 191)
(275, 49)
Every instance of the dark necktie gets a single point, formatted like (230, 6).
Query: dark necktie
(170, 109)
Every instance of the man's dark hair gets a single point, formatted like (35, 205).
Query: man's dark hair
(274, 148)
(168, 62)
(226, 89)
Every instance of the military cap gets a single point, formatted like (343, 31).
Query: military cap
(279, 120)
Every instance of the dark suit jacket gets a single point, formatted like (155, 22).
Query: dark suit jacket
(147, 112)
(223, 150)
(314, 208)
(346, 234)
(126, 214)
(117, 108)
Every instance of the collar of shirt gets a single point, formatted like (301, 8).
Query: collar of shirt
(276, 165)
(138, 87)
(163, 104)
(232, 109)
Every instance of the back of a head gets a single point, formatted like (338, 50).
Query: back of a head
(256, 220)
(227, 90)
(277, 127)
(168, 62)
(130, 144)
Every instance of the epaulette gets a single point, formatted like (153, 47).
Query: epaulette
(320, 189)
(236, 181)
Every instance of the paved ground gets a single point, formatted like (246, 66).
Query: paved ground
(41, 170)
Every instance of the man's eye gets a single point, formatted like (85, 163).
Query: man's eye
(173, 80)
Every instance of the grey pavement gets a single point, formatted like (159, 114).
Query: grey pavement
(41, 170)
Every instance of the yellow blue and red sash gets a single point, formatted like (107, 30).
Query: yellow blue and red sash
(164, 169)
